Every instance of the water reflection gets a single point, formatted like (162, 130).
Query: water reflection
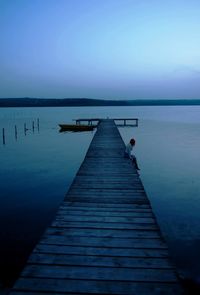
(35, 174)
(37, 169)
(168, 155)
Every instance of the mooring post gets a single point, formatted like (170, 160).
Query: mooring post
(3, 132)
(33, 127)
(15, 132)
(38, 124)
(25, 128)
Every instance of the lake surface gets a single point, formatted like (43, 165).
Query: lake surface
(38, 167)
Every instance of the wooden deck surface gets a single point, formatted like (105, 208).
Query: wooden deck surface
(104, 239)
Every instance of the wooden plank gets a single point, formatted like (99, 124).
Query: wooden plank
(105, 184)
(68, 212)
(109, 242)
(107, 201)
(128, 193)
(110, 261)
(102, 210)
(105, 207)
(99, 273)
(78, 250)
(100, 225)
(96, 287)
(107, 219)
(115, 233)
(99, 185)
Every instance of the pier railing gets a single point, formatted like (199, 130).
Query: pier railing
(118, 121)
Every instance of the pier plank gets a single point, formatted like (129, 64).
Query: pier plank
(71, 213)
(59, 286)
(99, 273)
(111, 261)
(100, 251)
(115, 233)
(104, 238)
(110, 242)
(103, 225)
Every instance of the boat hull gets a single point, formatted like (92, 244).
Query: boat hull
(76, 128)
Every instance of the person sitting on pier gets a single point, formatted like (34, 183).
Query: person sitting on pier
(128, 153)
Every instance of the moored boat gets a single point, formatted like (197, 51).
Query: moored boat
(76, 128)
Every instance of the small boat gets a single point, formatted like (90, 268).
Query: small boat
(76, 128)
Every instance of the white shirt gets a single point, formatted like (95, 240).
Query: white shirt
(129, 149)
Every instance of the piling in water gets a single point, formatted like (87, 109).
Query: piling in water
(3, 133)
(15, 132)
(38, 125)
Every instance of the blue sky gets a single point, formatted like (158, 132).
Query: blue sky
(110, 49)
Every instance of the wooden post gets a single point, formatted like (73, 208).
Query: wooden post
(38, 124)
(15, 132)
(25, 128)
(3, 132)
(33, 126)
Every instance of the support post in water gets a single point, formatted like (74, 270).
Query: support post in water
(25, 129)
(38, 125)
(15, 132)
(33, 126)
(3, 133)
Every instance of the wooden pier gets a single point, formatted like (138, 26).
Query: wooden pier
(105, 238)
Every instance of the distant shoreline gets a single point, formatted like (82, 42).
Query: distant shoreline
(86, 102)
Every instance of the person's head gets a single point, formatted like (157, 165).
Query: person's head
(132, 141)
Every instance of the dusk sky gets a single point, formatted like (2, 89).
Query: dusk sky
(110, 49)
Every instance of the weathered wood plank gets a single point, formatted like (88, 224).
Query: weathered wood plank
(107, 200)
(105, 207)
(115, 233)
(97, 287)
(124, 191)
(78, 250)
(110, 242)
(107, 219)
(110, 261)
(108, 212)
(133, 226)
(99, 273)
(68, 212)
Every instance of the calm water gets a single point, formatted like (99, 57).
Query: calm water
(37, 168)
